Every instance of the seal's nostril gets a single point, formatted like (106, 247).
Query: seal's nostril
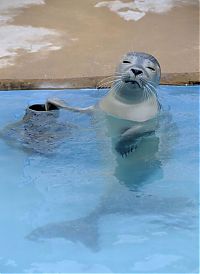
(136, 71)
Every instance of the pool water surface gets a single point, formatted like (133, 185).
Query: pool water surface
(68, 207)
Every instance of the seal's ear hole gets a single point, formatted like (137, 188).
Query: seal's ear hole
(41, 107)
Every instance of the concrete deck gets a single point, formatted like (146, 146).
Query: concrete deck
(74, 44)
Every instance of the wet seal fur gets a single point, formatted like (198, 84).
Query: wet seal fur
(131, 105)
(131, 111)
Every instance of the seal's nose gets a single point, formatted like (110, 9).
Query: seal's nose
(136, 71)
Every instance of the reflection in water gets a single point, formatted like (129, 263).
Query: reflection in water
(132, 172)
(141, 165)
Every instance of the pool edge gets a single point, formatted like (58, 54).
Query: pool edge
(90, 82)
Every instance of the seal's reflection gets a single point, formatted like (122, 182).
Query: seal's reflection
(139, 167)
(122, 197)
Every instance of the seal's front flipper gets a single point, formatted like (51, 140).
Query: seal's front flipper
(130, 139)
(62, 104)
(126, 146)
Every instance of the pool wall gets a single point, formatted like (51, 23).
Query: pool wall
(90, 82)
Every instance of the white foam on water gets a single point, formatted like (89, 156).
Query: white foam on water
(137, 9)
(16, 39)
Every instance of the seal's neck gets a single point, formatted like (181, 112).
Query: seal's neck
(130, 95)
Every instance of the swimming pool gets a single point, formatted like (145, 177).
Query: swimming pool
(68, 211)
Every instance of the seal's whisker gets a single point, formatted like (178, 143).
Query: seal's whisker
(147, 89)
(153, 95)
(108, 79)
(111, 87)
(120, 84)
(149, 92)
(116, 86)
(111, 76)
(146, 93)
(152, 87)
(108, 83)
(105, 83)
(150, 83)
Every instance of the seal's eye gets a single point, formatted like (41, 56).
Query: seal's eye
(126, 62)
(153, 69)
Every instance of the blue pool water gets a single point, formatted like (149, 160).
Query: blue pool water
(70, 211)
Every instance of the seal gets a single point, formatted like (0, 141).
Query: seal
(131, 104)
(131, 110)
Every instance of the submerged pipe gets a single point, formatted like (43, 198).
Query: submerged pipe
(39, 130)
(40, 112)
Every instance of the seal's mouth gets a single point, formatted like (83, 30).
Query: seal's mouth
(133, 82)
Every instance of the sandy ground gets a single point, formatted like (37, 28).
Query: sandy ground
(91, 40)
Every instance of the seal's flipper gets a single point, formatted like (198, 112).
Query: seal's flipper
(82, 230)
(130, 139)
(62, 104)
(126, 146)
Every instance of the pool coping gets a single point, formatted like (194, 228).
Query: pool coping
(90, 82)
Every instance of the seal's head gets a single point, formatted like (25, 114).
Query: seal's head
(137, 72)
